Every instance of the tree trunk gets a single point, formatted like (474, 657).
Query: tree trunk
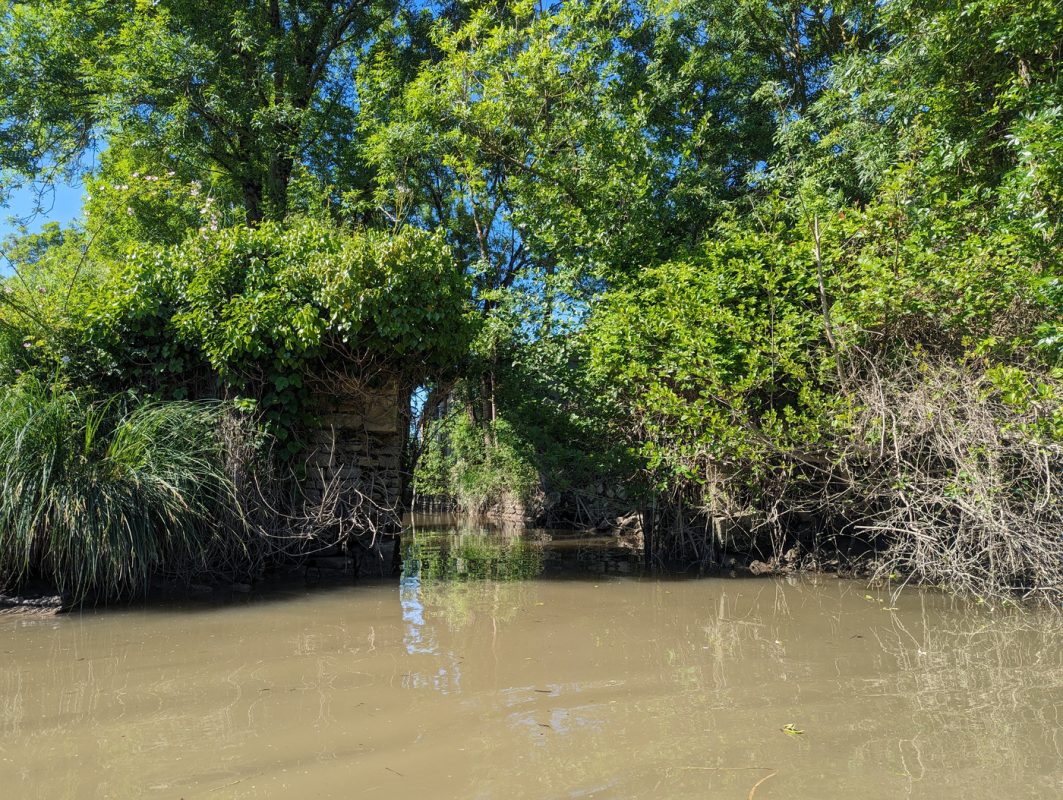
(280, 175)
(253, 209)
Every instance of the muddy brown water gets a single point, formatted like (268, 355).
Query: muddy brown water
(519, 667)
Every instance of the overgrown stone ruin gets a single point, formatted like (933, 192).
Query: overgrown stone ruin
(354, 483)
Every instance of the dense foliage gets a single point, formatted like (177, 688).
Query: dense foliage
(246, 92)
(264, 308)
(785, 266)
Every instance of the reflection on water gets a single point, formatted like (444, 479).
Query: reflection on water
(512, 667)
(444, 548)
(435, 555)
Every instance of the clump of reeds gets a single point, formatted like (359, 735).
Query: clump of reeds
(97, 497)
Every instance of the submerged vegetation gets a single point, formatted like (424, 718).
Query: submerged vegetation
(785, 269)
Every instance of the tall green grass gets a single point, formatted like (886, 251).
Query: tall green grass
(96, 497)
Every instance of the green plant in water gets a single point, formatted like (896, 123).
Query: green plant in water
(97, 497)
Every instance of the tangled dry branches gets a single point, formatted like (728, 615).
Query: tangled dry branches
(963, 487)
(945, 477)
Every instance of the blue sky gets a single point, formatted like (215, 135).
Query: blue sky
(62, 205)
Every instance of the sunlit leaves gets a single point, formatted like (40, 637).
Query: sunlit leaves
(265, 306)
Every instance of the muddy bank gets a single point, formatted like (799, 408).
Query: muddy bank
(31, 604)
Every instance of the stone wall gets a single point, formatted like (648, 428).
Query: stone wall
(353, 474)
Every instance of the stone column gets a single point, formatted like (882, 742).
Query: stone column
(354, 469)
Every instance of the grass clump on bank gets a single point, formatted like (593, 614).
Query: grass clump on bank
(97, 497)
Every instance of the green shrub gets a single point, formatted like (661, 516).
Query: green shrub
(264, 308)
(478, 468)
(717, 359)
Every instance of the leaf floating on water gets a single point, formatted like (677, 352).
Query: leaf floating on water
(791, 729)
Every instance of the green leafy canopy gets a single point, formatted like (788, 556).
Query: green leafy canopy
(265, 307)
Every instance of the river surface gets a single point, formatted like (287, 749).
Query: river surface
(523, 667)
